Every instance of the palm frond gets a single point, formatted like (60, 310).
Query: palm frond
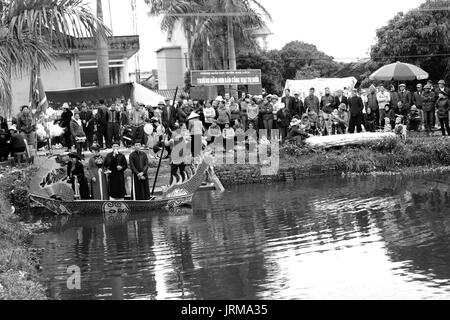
(57, 19)
(18, 57)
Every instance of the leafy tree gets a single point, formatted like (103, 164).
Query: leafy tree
(33, 31)
(271, 66)
(420, 36)
(297, 55)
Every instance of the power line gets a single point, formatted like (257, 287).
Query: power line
(328, 59)
(209, 14)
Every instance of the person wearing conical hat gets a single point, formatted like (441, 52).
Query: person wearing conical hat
(196, 132)
(66, 118)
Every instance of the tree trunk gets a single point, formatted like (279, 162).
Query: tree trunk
(231, 53)
(102, 52)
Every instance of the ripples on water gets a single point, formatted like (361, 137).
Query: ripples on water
(336, 238)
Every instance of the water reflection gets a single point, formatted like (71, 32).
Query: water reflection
(351, 238)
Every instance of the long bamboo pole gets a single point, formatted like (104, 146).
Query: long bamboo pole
(163, 147)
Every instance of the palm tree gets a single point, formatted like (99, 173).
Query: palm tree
(102, 51)
(34, 31)
(221, 32)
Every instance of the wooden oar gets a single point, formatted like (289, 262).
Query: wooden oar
(163, 147)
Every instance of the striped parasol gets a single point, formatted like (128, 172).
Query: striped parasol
(399, 71)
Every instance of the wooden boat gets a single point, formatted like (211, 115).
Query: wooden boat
(58, 196)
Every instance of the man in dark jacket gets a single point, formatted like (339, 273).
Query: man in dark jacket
(289, 102)
(299, 107)
(113, 126)
(169, 114)
(372, 103)
(340, 99)
(417, 97)
(102, 123)
(312, 102)
(88, 122)
(356, 107)
(66, 117)
(283, 121)
(405, 96)
(428, 101)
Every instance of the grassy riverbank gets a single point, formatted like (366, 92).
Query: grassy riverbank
(416, 154)
(19, 279)
(387, 155)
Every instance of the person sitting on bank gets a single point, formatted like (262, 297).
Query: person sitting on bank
(369, 120)
(177, 146)
(339, 120)
(414, 119)
(115, 165)
(139, 166)
(314, 122)
(99, 187)
(17, 142)
(75, 169)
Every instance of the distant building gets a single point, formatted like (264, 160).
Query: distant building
(79, 68)
(173, 59)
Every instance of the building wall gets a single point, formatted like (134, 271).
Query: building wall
(170, 68)
(65, 75)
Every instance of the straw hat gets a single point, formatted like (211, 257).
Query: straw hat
(193, 115)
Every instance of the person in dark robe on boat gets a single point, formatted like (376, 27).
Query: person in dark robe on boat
(75, 169)
(139, 166)
(115, 165)
(99, 187)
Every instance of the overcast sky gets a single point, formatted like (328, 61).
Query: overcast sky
(344, 29)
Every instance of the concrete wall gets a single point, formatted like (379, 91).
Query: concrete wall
(65, 75)
(170, 68)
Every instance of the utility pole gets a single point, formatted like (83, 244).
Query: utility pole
(135, 31)
(102, 52)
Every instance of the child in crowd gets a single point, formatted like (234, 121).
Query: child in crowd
(213, 132)
(400, 128)
(228, 135)
(390, 114)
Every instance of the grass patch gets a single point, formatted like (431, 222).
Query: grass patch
(18, 269)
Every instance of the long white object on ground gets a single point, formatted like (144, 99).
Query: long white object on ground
(347, 139)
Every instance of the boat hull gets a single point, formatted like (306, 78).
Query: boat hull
(104, 207)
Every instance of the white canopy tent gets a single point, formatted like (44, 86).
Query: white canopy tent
(146, 96)
(319, 84)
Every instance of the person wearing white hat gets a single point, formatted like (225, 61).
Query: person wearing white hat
(196, 132)
(405, 96)
(441, 87)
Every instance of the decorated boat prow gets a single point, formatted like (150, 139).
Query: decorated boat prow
(50, 189)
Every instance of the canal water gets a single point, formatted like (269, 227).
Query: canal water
(385, 237)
